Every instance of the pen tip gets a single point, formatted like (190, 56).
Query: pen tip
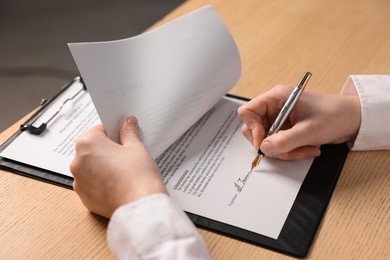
(256, 161)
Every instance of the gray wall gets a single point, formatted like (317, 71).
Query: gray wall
(35, 61)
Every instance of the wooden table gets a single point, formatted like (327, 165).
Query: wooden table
(278, 40)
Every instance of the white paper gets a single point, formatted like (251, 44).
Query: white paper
(168, 77)
(207, 171)
(54, 149)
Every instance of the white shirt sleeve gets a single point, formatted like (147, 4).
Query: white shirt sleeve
(374, 93)
(154, 227)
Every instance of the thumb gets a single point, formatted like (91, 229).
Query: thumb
(285, 141)
(129, 132)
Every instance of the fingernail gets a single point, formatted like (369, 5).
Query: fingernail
(267, 148)
(131, 120)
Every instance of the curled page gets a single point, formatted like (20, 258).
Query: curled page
(168, 77)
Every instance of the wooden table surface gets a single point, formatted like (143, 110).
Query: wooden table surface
(277, 40)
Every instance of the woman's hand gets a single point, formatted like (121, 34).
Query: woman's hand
(108, 175)
(316, 119)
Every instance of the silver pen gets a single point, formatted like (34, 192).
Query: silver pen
(284, 112)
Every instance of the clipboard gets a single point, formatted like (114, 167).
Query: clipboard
(302, 222)
(29, 170)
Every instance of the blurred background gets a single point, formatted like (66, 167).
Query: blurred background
(35, 61)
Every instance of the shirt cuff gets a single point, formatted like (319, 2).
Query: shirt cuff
(154, 226)
(373, 93)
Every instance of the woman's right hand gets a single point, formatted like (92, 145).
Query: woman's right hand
(316, 119)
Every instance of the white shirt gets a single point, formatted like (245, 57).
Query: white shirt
(374, 94)
(155, 228)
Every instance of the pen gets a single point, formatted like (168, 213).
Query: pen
(284, 112)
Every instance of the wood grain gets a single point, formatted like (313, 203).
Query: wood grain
(278, 40)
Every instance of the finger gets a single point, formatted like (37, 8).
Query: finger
(129, 131)
(97, 130)
(287, 140)
(76, 186)
(84, 143)
(300, 153)
(254, 133)
(74, 168)
(267, 103)
(253, 128)
(247, 133)
(259, 132)
(257, 113)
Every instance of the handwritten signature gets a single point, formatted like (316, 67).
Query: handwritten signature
(240, 183)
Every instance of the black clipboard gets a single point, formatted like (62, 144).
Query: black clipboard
(32, 171)
(302, 222)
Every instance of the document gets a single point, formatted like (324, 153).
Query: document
(207, 171)
(54, 149)
(174, 80)
(168, 77)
